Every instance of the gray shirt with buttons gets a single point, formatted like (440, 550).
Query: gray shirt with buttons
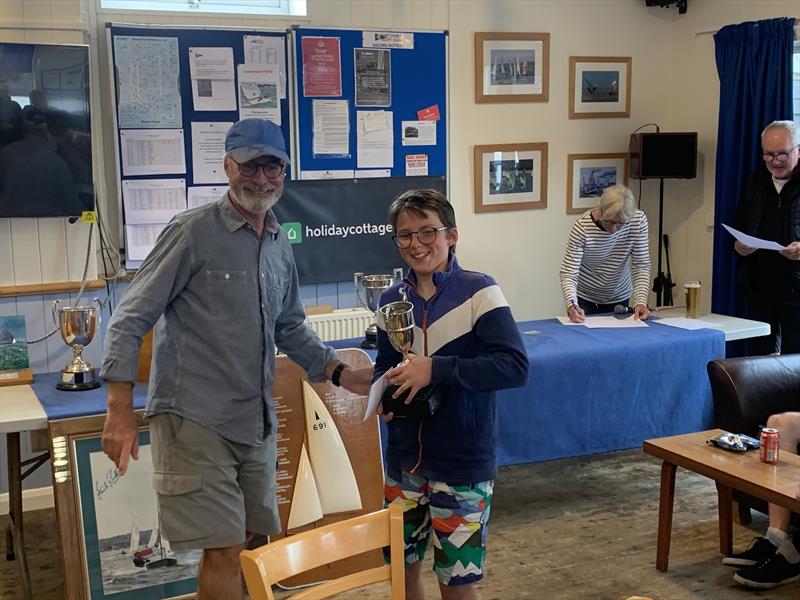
(223, 300)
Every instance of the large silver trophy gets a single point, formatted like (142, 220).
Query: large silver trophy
(77, 325)
(368, 291)
(398, 320)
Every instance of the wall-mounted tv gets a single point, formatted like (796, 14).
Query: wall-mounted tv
(45, 132)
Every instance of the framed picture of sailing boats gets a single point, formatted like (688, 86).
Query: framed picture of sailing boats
(112, 546)
(599, 87)
(512, 67)
(589, 174)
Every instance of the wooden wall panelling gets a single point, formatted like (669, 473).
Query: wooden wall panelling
(27, 261)
(77, 236)
(37, 324)
(326, 294)
(6, 253)
(52, 249)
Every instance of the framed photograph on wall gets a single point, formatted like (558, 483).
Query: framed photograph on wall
(512, 67)
(589, 174)
(112, 545)
(599, 87)
(510, 177)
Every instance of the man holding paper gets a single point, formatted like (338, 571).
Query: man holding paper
(770, 209)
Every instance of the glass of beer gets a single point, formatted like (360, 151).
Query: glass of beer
(692, 289)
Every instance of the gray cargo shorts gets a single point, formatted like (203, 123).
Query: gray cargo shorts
(211, 491)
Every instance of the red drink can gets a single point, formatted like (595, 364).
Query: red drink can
(770, 445)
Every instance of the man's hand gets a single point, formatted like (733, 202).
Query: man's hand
(792, 251)
(641, 312)
(414, 374)
(742, 249)
(357, 381)
(576, 314)
(120, 433)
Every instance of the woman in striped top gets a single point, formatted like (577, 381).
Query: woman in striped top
(607, 260)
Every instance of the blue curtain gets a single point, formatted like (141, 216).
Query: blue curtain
(754, 62)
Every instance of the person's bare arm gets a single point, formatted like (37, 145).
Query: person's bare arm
(120, 439)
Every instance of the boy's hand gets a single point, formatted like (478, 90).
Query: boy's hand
(414, 374)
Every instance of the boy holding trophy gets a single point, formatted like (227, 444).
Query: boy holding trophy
(441, 466)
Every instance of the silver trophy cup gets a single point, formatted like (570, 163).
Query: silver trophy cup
(398, 319)
(77, 325)
(368, 291)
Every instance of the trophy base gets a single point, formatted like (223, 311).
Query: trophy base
(77, 382)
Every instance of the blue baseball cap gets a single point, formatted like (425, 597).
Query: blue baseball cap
(250, 138)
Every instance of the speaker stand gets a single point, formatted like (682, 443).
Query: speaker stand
(660, 287)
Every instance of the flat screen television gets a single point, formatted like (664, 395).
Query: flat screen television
(45, 131)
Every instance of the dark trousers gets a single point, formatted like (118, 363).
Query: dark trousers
(783, 316)
(593, 308)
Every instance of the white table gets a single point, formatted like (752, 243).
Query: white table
(20, 410)
(734, 328)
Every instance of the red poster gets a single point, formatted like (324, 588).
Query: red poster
(429, 114)
(322, 66)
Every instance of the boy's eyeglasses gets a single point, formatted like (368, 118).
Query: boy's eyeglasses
(426, 235)
(250, 168)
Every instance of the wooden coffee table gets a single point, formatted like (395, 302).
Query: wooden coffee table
(730, 470)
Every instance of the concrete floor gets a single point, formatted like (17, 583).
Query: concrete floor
(582, 528)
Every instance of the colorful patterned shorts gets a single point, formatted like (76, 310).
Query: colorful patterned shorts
(458, 515)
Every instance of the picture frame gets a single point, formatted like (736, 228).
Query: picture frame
(512, 67)
(510, 177)
(589, 174)
(108, 524)
(599, 87)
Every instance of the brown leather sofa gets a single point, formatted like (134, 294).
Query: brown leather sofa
(746, 392)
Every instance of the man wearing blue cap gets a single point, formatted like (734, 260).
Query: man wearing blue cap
(221, 284)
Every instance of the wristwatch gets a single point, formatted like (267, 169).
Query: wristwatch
(337, 372)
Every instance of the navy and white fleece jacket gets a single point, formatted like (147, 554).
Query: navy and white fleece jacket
(468, 330)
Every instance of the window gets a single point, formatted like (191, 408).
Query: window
(247, 7)
(796, 82)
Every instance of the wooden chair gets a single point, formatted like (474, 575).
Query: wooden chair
(310, 549)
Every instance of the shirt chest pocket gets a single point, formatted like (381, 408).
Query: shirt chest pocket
(228, 292)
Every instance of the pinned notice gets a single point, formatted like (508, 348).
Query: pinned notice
(416, 164)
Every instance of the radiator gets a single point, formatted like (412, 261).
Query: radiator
(341, 324)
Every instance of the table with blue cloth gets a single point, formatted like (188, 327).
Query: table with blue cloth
(59, 404)
(599, 390)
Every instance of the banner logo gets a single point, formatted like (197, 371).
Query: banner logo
(294, 231)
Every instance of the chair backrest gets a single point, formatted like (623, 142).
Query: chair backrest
(748, 390)
(298, 553)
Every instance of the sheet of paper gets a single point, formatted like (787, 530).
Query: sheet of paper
(152, 151)
(372, 173)
(419, 133)
(331, 127)
(566, 321)
(322, 66)
(333, 174)
(140, 239)
(375, 139)
(416, 164)
(199, 196)
(153, 200)
(258, 92)
(211, 63)
(753, 242)
(373, 82)
(684, 323)
(208, 152)
(375, 395)
(148, 71)
(269, 51)
(613, 322)
(213, 94)
(387, 39)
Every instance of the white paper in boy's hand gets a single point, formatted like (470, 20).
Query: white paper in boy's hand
(753, 242)
(375, 395)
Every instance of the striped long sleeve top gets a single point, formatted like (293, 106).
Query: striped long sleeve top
(607, 267)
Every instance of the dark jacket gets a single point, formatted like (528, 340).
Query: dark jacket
(764, 266)
(476, 348)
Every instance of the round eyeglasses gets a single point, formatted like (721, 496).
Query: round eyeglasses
(425, 235)
(781, 156)
(270, 169)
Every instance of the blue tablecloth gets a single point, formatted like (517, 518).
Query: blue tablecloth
(598, 390)
(589, 390)
(59, 404)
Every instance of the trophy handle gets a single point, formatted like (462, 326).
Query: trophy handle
(99, 309)
(357, 279)
(55, 312)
